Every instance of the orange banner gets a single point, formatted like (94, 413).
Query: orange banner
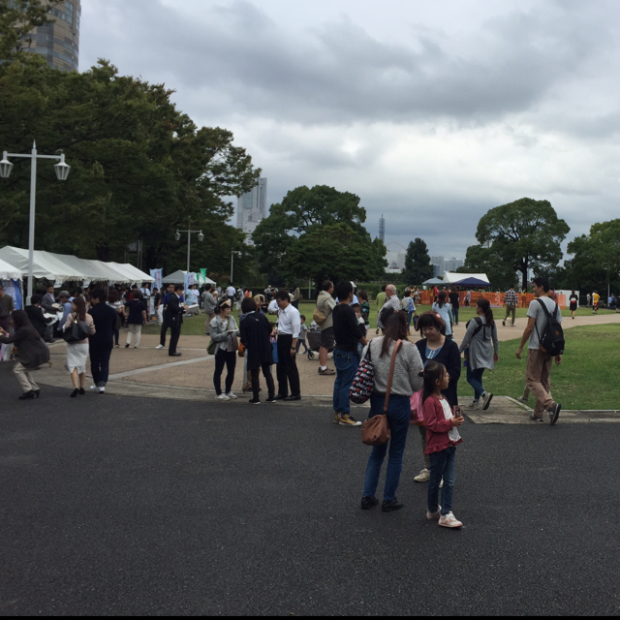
(496, 299)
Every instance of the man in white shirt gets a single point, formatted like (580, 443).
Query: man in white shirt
(289, 324)
(539, 362)
(230, 292)
(392, 302)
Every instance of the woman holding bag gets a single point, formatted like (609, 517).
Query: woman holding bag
(405, 381)
(77, 352)
(225, 333)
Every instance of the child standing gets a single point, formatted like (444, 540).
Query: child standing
(364, 300)
(441, 441)
(357, 308)
(302, 335)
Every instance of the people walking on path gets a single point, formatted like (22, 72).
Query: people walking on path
(444, 310)
(208, 304)
(289, 323)
(255, 331)
(435, 347)
(409, 307)
(442, 437)
(574, 302)
(224, 331)
(481, 348)
(303, 330)
(390, 307)
(325, 305)
(135, 312)
(454, 302)
(511, 300)
(33, 352)
(173, 316)
(406, 381)
(114, 302)
(100, 344)
(596, 298)
(349, 334)
(539, 362)
(77, 352)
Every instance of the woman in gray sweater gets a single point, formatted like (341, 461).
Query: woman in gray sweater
(406, 381)
(481, 339)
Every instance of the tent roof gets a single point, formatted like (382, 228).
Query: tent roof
(434, 281)
(178, 277)
(64, 267)
(451, 277)
(472, 282)
(8, 272)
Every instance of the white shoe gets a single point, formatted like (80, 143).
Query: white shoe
(434, 517)
(223, 397)
(523, 400)
(93, 388)
(450, 521)
(159, 347)
(486, 401)
(231, 396)
(101, 390)
(441, 484)
(475, 405)
(423, 476)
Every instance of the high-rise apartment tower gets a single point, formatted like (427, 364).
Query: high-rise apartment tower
(59, 41)
(382, 229)
(252, 208)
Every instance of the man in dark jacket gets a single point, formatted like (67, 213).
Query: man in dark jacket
(37, 318)
(102, 342)
(173, 316)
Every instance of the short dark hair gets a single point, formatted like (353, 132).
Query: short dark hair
(178, 287)
(363, 294)
(327, 285)
(343, 290)
(431, 319)
(20, 319)
(137, 295)
(383, 288)
(544, 282)
(208, 287)
(283, 294)
(356, 306)
(248, 305)
(302, 317)
(99, 294)
(113, 297)
(36, 299)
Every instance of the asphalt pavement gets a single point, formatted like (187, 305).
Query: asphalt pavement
(120, 505)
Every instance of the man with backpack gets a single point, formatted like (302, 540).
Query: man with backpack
(546, 341)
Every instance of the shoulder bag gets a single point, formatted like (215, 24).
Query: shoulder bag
(364, 381)
(376, 430)
(78, 331)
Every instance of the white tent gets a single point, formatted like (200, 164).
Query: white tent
(8, 272)
(178, 277)
(59, 267)
(451, 277)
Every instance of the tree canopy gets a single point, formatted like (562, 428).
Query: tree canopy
(525, 234)
(418, 266)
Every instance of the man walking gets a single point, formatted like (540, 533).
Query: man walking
(102, 342)
(173, 315)
(165, 325)
(381, 299)
(391, 303)
(348, 334)
(539, 361)
(209, 304)
(326, 304)
(289, 324)
(511, 301)
(595, 301)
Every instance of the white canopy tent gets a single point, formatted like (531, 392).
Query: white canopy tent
(451, 277)
(8, 272)
(63, 268)
(178, 277)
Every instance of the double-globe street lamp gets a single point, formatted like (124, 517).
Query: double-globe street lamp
(62, 173)
(201, 238)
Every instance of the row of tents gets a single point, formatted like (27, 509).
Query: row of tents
(474, 280)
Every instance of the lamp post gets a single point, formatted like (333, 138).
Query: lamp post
(62, 173)
(201, 238)
(232, 264)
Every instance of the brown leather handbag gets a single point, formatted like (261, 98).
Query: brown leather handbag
(376, 430)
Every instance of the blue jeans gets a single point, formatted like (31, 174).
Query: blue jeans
(474, 378)
(443, 465)
(455, 314)
(346, 366)
(399, 416)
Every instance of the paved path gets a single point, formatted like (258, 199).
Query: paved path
(126, 506)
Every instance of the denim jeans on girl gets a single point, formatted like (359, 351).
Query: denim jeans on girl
(399, 416)
(346, 366)
(474, 378)
(443, 465)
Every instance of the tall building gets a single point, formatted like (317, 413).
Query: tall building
(438, 265)
(382, 229)
(252, 208)
(59, 41)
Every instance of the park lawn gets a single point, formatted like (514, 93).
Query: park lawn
(586, 379)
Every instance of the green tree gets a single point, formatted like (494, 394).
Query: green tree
(527, 234)
(480, 259)
(418, 267)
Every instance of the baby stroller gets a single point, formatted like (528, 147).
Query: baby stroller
(314, 343)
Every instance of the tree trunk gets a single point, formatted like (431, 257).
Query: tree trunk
(525, 270)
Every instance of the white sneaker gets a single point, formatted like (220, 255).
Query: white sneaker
(101, 390)
(93, 388)
(434, 517)
(423, 476)
(523, 400)
(231, 396)
(223, 397)
(450, 521)
(159, 347)
(475, 405)
(486, 401)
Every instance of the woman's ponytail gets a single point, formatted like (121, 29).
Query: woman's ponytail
(485, 304)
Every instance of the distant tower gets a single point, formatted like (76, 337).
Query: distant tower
(382, 229)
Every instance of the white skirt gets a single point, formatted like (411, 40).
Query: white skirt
(77, 356)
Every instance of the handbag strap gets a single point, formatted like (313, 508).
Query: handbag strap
(391, 377)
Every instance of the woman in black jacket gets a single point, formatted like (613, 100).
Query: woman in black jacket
(437, 347)
(256, 338)
(32, 351)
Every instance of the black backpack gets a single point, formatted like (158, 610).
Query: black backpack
(551, 341)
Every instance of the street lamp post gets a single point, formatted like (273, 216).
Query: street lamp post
(232, 264)
(62, 173)
(201, 238)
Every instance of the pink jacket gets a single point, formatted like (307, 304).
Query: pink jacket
(437, 427)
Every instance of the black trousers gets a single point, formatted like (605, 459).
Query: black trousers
(175, 333)
(100, 364)
(271, 388)
(287, 367)
(164, 329)
(228, 359)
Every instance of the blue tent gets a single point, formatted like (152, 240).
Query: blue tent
(471, 282)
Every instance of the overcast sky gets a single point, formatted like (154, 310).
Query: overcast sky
(432, 112)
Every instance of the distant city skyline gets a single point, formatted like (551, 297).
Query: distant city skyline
(252, 207)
